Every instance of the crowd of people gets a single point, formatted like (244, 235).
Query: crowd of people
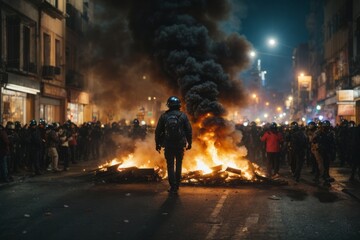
(318, 145)
(39, 147)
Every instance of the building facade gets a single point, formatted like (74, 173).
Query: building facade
(40, 69)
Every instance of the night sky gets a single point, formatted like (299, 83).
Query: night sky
(283, 19)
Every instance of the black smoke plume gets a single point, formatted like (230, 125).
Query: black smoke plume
(179, 44)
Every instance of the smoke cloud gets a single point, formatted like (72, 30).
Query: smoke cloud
(180, 47)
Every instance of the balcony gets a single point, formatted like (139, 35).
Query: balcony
(48, 72)
(49, 8)
(75, 79)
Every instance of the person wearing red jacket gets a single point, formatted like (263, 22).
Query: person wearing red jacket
(273, 139)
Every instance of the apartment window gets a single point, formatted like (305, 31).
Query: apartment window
(357, 37)
(26, 48)
(57, 53)
(53, 2)
(13, 41)
(47, 49)
(28, 53)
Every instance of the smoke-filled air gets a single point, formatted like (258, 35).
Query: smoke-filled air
(181, 49)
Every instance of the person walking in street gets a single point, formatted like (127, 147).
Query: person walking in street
(273, 139)
(174, 133)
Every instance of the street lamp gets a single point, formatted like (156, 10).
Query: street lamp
(273, 42)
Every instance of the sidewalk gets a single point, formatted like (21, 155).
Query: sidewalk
(80, 168)
(341, 176)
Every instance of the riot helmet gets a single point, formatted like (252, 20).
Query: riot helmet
(273, 126)
(42, 122)
(17, 125)
(136, 122)
(326, 123)
(311, 125)
(10, 125)
(294, 126)
(344, 123)
(352, 124)
(32, 123)
(173, 102)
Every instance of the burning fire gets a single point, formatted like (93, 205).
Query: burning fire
(205, 154)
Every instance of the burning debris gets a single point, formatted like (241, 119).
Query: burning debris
(217, 176)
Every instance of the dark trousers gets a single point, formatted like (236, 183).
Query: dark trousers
(296, 162)
(64, 156)
(273, 162)
(34, 156)
(172, 156)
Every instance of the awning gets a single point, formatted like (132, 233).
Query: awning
(22, 84)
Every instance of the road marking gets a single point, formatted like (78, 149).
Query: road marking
(214, 217)
(242, 230)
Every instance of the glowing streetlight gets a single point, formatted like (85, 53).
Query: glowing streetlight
(272, 42)
(252, 54)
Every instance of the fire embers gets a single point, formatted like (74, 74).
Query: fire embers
(227, 177)
(116, 173)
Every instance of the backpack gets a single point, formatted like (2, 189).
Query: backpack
(173, 130)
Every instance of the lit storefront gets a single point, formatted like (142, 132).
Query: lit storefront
(18, 99)
(52, 103)
(347, 104)
(76, 106)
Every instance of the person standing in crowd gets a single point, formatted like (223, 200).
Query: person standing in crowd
(272, 139)
(64, 147)
(4, 153)
(174, 133)
(13, 139)
(297, 145)
(354, 153)
(95, 140)
(324, 142)
(35, 142)
(43, 155)
(73, 131)
(310, 157)
(52, 142)
(137, 131)
(342, 135)
(253, 143)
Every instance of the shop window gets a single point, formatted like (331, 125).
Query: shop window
(75, 113)
(51, 113)
(13, 106)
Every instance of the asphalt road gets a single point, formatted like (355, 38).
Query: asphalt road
(73, 206)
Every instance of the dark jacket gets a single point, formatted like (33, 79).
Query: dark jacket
(4, 143)
(162, 140)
